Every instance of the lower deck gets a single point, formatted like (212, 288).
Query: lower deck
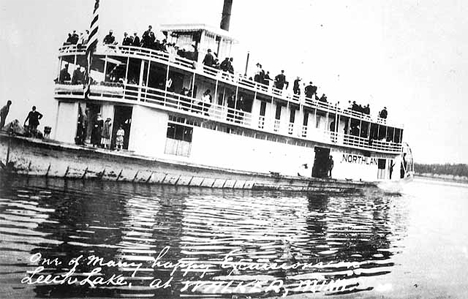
(159, 134)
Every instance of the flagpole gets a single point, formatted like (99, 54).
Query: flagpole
(91, 48)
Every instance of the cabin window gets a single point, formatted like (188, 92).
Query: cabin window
(305, 121)
(262, 108)
(278, 112)
(179, 140)
(292, 116)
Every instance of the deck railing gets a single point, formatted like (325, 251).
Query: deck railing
(217, 74)
(211, 111)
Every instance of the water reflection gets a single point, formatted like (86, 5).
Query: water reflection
(182, 242)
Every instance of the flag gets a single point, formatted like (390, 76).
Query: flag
(91, 47)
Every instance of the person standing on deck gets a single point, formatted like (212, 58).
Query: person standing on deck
(4, 113)
(64, 74)
(96, 132)
(209, 59)
(296, 86)
(119, 140)
(310, 90)
(331, 164)
(206, 101)
(384, 113)
(280, 80)
(106, 133)
(109, 39)
(148, 38)
(33, 117)
(136, 40)
(127, 40)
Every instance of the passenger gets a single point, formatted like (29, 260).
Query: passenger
(206, 101)
(366, 110)
(136, 40)
(148, 38)
(96, 131)
(240, 109)
(231, 67)
(109, 39)
(119, 140)
(69, 40)
(185, 100)
(267, 78)
(164, 45)
(296, 86)
(4, 113)
(323, 98)
(64, 74)
(33, 117)
(331, 164)
(224, 66)
(106, 133)
(127, 40)
(280, 80)
(78, 76)
(209, 59)
(157, 45)
(231, 105)
(83, 39)
(259, 74)
(355, 107)
(74, 38)
(310, 90)
(384, 113)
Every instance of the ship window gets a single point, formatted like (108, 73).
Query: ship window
(179, 132)
(278, 111)
(262, 108)
(306, 119)
(179, 140)
(292, 115)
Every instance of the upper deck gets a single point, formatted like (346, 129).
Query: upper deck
(123, 74)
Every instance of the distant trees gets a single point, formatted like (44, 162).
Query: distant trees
(446, 169)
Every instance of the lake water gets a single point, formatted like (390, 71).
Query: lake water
(65, 238)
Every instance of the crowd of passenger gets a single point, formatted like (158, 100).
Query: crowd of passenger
(149, 40)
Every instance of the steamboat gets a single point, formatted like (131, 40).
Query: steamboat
(177, 120)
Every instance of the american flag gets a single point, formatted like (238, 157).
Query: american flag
(91, 47)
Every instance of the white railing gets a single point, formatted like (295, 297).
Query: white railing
(236, 78)
(196, 107)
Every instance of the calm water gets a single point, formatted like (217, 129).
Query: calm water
(101, 239)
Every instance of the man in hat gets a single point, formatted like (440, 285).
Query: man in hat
(280, 80)
(109, 39)
(384, 113)
(296, 88)
(310, 90)
(209, 59)
(148, 38)
(33, 117)
(127, 40)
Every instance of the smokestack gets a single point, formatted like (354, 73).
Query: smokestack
(226, 16)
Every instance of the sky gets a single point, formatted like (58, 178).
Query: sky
(410, 56)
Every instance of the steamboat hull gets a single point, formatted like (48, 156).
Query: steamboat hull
(33, 157)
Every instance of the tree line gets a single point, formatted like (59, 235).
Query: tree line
(447, 169)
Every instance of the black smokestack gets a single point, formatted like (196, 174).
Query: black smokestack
(226, 16)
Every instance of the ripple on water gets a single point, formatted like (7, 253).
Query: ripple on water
(213, 236)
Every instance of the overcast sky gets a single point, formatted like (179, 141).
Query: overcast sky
(411, 56)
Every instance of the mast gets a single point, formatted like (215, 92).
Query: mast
(226, 15)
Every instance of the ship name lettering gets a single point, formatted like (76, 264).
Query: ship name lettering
(358, 159)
